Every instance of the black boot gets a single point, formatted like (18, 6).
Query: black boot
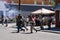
(23, 30)
(36, 30)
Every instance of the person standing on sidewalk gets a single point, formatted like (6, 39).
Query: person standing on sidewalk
(27, 21)
(49, 22)
(38, 22)
(2, 20)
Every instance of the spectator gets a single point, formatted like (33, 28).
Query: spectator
(49, 22)
(2, 18)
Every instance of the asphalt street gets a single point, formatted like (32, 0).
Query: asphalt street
(8, 33)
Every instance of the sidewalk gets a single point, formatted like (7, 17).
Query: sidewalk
(52, 30)
(6, 33)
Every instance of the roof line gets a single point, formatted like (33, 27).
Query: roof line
(35, 5)
(14, 3)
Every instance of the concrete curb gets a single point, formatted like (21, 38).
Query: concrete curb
(51, 31)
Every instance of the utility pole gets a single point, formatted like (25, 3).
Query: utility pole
(19, 5)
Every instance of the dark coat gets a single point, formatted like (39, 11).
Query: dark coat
(18, 21)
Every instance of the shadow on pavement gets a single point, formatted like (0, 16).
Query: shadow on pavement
(22, 32)
(52, 30)
(12, 27)
(26, 33)
(13, 32)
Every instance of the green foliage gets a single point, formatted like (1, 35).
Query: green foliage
(52, 3)
(14, 20)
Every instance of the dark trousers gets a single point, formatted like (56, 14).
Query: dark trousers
(49, 25)
(41, 26)
(26, 23)
(32, 27)
(6, 23)
(2, 22)
(19, 27)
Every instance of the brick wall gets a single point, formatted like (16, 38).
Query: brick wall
(30, 1)
(27, 1)
(15, 1)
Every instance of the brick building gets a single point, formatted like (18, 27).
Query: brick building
(40, 2)
(30, 1)
(15, 1)
(46, 2)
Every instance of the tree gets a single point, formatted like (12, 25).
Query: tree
(53, 3)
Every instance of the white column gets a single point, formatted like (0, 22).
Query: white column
(35, 3)
(12, 1)
(49, 0)
(42, 2)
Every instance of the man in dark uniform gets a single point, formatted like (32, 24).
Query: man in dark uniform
(19, 23)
